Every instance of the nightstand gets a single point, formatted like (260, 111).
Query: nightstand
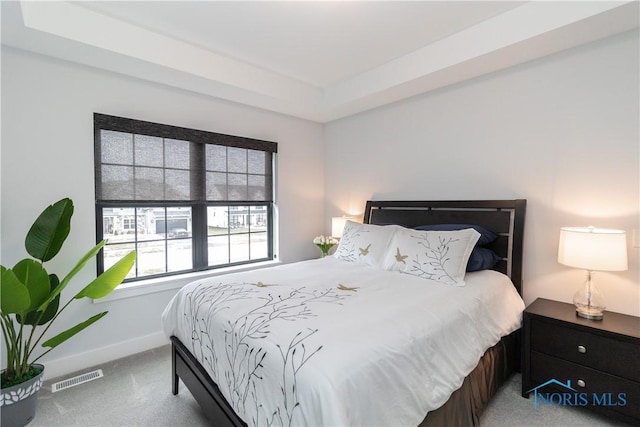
(571, 361)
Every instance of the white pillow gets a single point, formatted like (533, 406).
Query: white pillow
(437, 255)
(365, 243)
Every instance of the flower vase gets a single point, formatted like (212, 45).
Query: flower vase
(325, 243)
(324, 249)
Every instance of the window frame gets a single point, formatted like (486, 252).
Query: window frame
(199, 206)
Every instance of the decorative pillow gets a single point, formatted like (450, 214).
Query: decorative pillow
(486, 236)
(482, 259)
(437, 255)
(365, 243)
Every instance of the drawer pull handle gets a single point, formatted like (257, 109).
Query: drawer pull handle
(582, 384)
(582, 349)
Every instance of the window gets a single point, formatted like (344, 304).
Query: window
(184, 199)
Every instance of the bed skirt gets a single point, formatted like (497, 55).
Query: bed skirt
(463, 409)
(466, 405)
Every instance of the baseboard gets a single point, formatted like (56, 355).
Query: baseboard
(67, 365)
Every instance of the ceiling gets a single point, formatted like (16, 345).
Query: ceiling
(317, 60)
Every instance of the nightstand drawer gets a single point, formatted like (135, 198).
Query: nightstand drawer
(602, 390)
(602, 353)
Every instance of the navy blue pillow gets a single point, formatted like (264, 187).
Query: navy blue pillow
(486, 236)
(482, 259)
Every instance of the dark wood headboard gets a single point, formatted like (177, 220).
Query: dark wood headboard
(505, 217)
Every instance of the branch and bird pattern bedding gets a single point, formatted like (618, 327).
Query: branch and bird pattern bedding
(329, 342)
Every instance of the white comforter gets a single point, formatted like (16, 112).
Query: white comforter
(333, 343)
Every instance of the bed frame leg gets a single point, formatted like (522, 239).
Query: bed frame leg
(174, 374)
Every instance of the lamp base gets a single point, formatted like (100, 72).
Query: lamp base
(590, 313)
(588, 301)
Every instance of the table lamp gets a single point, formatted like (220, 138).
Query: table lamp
(592, 249)
(337, 225)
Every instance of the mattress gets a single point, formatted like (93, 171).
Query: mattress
(329, 342)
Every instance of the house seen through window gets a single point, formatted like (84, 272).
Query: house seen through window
(184, 199)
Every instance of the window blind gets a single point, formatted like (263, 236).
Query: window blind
(139, 161)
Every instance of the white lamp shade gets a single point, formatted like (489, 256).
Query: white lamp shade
(594, 249)
(337, 225)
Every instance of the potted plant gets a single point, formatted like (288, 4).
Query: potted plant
(30, 303)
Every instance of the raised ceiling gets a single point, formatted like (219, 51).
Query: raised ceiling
(315, 60)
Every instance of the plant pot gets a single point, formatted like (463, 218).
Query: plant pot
(18, 402)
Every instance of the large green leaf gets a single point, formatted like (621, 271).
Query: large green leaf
(80, 264)
(110, 279)
(14, 295)
(31, 273)
(63, 336)
(50, 230)
(35, 318)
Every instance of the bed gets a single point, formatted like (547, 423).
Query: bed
(333, 342)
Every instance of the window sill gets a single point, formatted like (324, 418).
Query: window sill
(144, 287)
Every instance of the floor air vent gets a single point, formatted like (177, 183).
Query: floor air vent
(80, 379)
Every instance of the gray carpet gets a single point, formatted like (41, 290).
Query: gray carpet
(136, 391)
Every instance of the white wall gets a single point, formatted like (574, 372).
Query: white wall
(47, 154)
(561, 132)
